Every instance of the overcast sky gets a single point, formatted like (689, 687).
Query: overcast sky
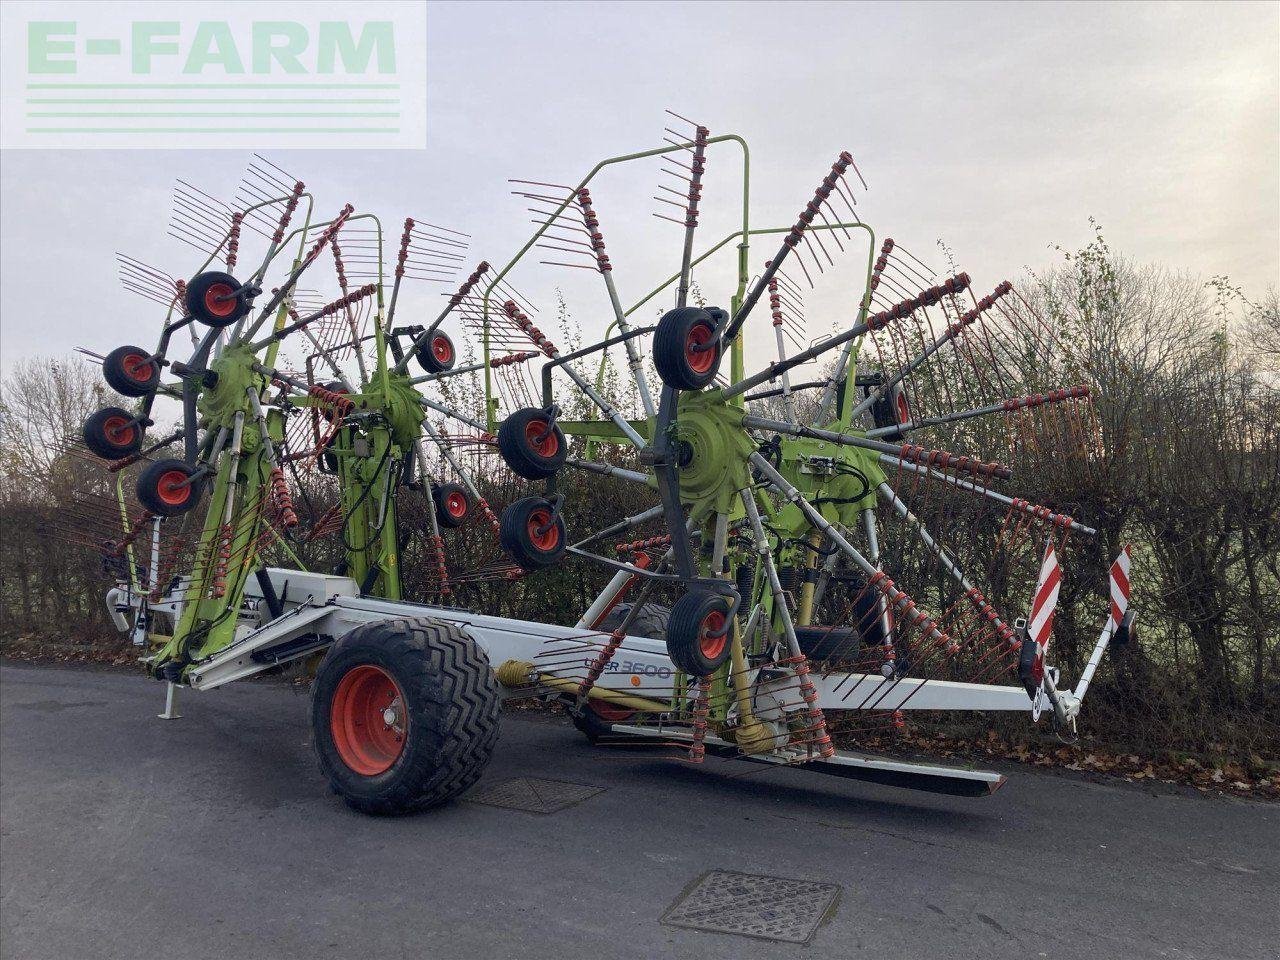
(999, 128)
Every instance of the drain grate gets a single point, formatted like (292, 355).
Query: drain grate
(534, 796)
(771, 908)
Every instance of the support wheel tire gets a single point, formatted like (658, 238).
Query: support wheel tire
(532, 533)
(441, 703)
(691, 643)
(528, 447)
(164, 489)
(131, 371)
(211, 299)
(677, 361)
(111, 433)
(438, 354)
(453, 504)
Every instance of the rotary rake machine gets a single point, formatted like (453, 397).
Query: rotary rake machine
(800, 561)
(256, 432)
(825, 567)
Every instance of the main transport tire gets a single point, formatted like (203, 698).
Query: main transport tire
(677, 361)
(165, 488)
(532, 533)
(404, 714)
(438, 354)
(453, 504)
(205, 299)
(111, 433)
(597, 718)
(691, 642)
(131, 371)
(531, 445)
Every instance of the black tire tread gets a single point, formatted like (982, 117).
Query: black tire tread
(683, 627)
(145, 488)
(516, 454)
(455, 701)
(118, 380)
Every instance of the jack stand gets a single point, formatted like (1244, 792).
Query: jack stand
(170, 703)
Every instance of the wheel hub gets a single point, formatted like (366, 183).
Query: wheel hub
(714, 450)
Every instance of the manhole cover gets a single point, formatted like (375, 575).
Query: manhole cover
(771, 908)
(534, 796)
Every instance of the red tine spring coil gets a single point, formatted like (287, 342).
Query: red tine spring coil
(287, 214)
(404, 247)
(593, 230)
(989, 615)
(224, 560)
(470, 282)
(635, 546)
(1041, 513)
(442, 574)
(701, 710)
(927, 298)
(882, 261)
(329, 232)
(985, 304)
(337, 402)
(283, 499)
(233, 240)
(1053, 396)
(601, 661)
(518, 317)
(487, 513)
(818, 721)
(908, 610)
(511, 358)
(941, 460)
(813, 206)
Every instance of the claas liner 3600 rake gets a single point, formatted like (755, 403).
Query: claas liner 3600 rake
(802, 557)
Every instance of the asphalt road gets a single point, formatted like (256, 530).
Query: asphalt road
(124, 836)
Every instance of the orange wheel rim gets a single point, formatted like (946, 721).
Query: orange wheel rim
(173, 488)
(712, 646)
(456, 504)
(137, 368)
(368, 720)
(442, 349)
(547, 540)
(214, 303)
(700, 361)
(904, 409)
(118, 430)
(542, 438)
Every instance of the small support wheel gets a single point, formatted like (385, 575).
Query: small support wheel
(893, 409)
(531, 444)
(131, 371)
(697, 639)
(453, 504)
(216, 299)
(404, 714)
(438, 354)
(166, 489)
(112, 433)
(683, 352)
(532, 533)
